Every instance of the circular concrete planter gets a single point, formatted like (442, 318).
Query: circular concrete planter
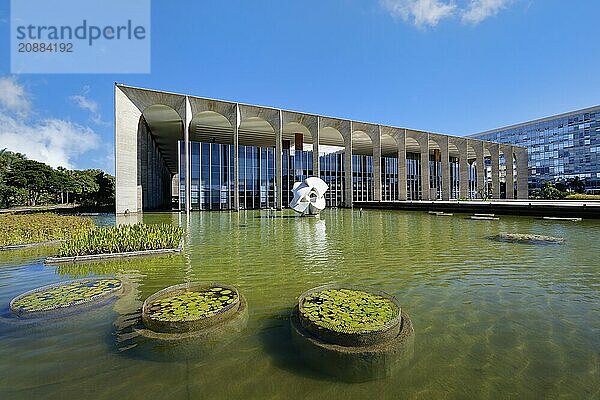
(355, 363)
(190, 307)
(64, 297)
(188, 339)
(352, 301)
(374, 348)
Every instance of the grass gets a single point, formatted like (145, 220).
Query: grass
(579, 196)
(34, 228)
(122, 239)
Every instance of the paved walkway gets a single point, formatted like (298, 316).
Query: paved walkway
(37, 208)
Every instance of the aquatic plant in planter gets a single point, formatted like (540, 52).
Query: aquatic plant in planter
(350, 316)
(63, 296)
(193, 308)
(190, 306)
(352, 333)
(122, 239)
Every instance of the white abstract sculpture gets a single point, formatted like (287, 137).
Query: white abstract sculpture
(308, 196)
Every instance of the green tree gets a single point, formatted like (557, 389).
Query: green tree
(33, 176)
(7, 160)
(576, 184)
(85, 185)
(550, 192)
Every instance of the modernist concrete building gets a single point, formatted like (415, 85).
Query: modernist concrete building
(560, 147)
(187, 152)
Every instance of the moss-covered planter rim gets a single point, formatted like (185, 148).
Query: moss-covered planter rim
(107, 294)
(355, 363)
(93, 257)
(354, 338)
(189, 325)
(213, 332)
(528, 238)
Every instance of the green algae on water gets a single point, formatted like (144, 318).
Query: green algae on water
(191, 305)
(348, 310)
(65, 295)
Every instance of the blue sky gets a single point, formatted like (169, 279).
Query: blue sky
(450, 66)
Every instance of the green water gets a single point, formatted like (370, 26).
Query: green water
(492, 320)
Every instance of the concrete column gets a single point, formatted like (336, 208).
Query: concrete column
(278, 163)
(445, 154)
(508, 160)
(401, 141)
(143, 164)
(316, 162)
(236, 161)
(349, 195)
(174, 182)
(186, 138)
(425, 188)
(479, 164)
(495, 170)
(521, 156)
(127, 118)
(377, 165)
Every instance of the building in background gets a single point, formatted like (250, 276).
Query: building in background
(193, 153)
(560, 147)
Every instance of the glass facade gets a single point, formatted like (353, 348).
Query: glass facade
(413, 176)
(561, 147)
(212, 184)
(389, 178)
(212, 176)
(332, 172)
(362, 177)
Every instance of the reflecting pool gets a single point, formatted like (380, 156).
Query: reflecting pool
(492, 319)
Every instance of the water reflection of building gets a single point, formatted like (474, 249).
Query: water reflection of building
(244, 156)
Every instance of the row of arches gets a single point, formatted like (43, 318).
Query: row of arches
(223, 155)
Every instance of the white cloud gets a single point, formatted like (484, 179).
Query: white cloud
(478, 10)
(85, 103)
(423, 13)
(53, 141)
(13, 96)
(420, 12)
(90, 105)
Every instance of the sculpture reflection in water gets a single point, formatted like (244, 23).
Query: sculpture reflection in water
(309, 196)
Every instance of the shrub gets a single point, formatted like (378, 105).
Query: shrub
(33, 228)
(580, 196)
